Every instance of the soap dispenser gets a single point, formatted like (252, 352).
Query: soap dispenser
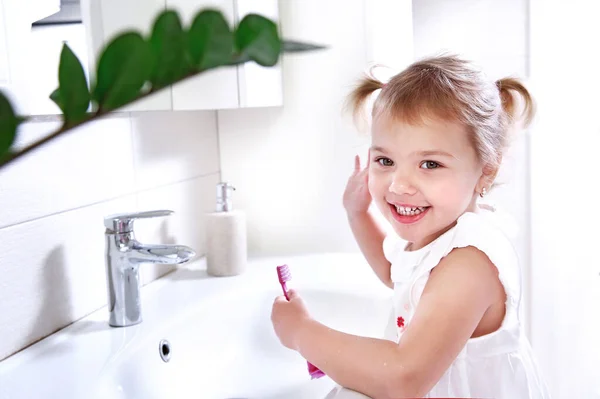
(226, 246)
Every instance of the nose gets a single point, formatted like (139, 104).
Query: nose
(402, 184)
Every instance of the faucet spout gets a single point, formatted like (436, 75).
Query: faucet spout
(161, 254)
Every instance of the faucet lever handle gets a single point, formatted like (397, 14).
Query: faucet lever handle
(123, 222)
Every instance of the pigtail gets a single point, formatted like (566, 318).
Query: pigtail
(357, 100)
(508, 87)
(359, 96)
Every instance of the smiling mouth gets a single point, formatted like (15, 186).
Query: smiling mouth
(410, 211)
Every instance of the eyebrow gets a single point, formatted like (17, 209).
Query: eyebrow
(435, 152)
(377, 148)
(420, 153)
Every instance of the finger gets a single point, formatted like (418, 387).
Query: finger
(279, 299)
(292, 294)
(368, 159)
(356, 163)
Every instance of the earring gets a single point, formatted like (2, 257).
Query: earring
(483, 192)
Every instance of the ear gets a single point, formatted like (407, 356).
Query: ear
(487, 178)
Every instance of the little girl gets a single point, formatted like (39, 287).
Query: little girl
(439, 131)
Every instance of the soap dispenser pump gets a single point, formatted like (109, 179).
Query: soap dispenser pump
(226, 245)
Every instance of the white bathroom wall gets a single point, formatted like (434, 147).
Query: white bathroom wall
(564, 175)
(54, 200)
(290, 164)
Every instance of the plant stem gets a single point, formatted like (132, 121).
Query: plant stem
(237, 59)
(11, 157)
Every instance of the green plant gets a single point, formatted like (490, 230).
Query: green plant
(132, 67)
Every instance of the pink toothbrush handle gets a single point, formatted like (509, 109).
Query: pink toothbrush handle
(312, 370)
(285, 291)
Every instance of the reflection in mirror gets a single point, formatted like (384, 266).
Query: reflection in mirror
(36, 52)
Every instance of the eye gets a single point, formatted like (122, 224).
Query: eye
(383, 161)
(430, 165)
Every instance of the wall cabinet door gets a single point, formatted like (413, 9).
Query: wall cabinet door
(216, 89)
(106, 18)
(259, 86)
(29, 56)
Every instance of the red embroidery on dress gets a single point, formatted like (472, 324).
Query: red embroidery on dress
(400, 322)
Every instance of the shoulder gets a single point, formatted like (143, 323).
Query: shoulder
(481, 231)
(484, 227)
(481, 247)
(469, 269)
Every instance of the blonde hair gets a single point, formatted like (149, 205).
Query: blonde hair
(452, 89)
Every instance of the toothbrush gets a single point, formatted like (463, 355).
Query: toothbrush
(284, 275)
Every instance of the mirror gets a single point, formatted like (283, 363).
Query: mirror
(34, 36)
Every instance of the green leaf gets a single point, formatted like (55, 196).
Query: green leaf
(73, 94)
(125, 65)
(239, 59)
(257, 37)
(8, 125)
(55, 96)
(288, 46)
(169, 47)
(291, 46)
(210, 40)
(5, 156)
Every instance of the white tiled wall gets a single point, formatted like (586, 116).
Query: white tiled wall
(53, 202)
(173, 146)
(56, 178)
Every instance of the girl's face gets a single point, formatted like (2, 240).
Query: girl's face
(423, 177)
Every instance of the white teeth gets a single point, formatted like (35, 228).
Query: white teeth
(409, 211)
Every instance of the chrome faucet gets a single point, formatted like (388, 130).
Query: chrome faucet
(124, 254)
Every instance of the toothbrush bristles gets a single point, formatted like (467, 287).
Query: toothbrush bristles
(284, 274)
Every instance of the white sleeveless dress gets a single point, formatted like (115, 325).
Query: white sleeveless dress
(499, 365)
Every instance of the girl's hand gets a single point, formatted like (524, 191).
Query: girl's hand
(288, 317)
(356, 196)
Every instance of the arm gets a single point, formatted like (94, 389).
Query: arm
(369, 237)
(459, 291)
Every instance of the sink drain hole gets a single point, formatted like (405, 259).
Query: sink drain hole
(164, 349)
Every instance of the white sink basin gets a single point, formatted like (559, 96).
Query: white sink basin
(220, 340)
